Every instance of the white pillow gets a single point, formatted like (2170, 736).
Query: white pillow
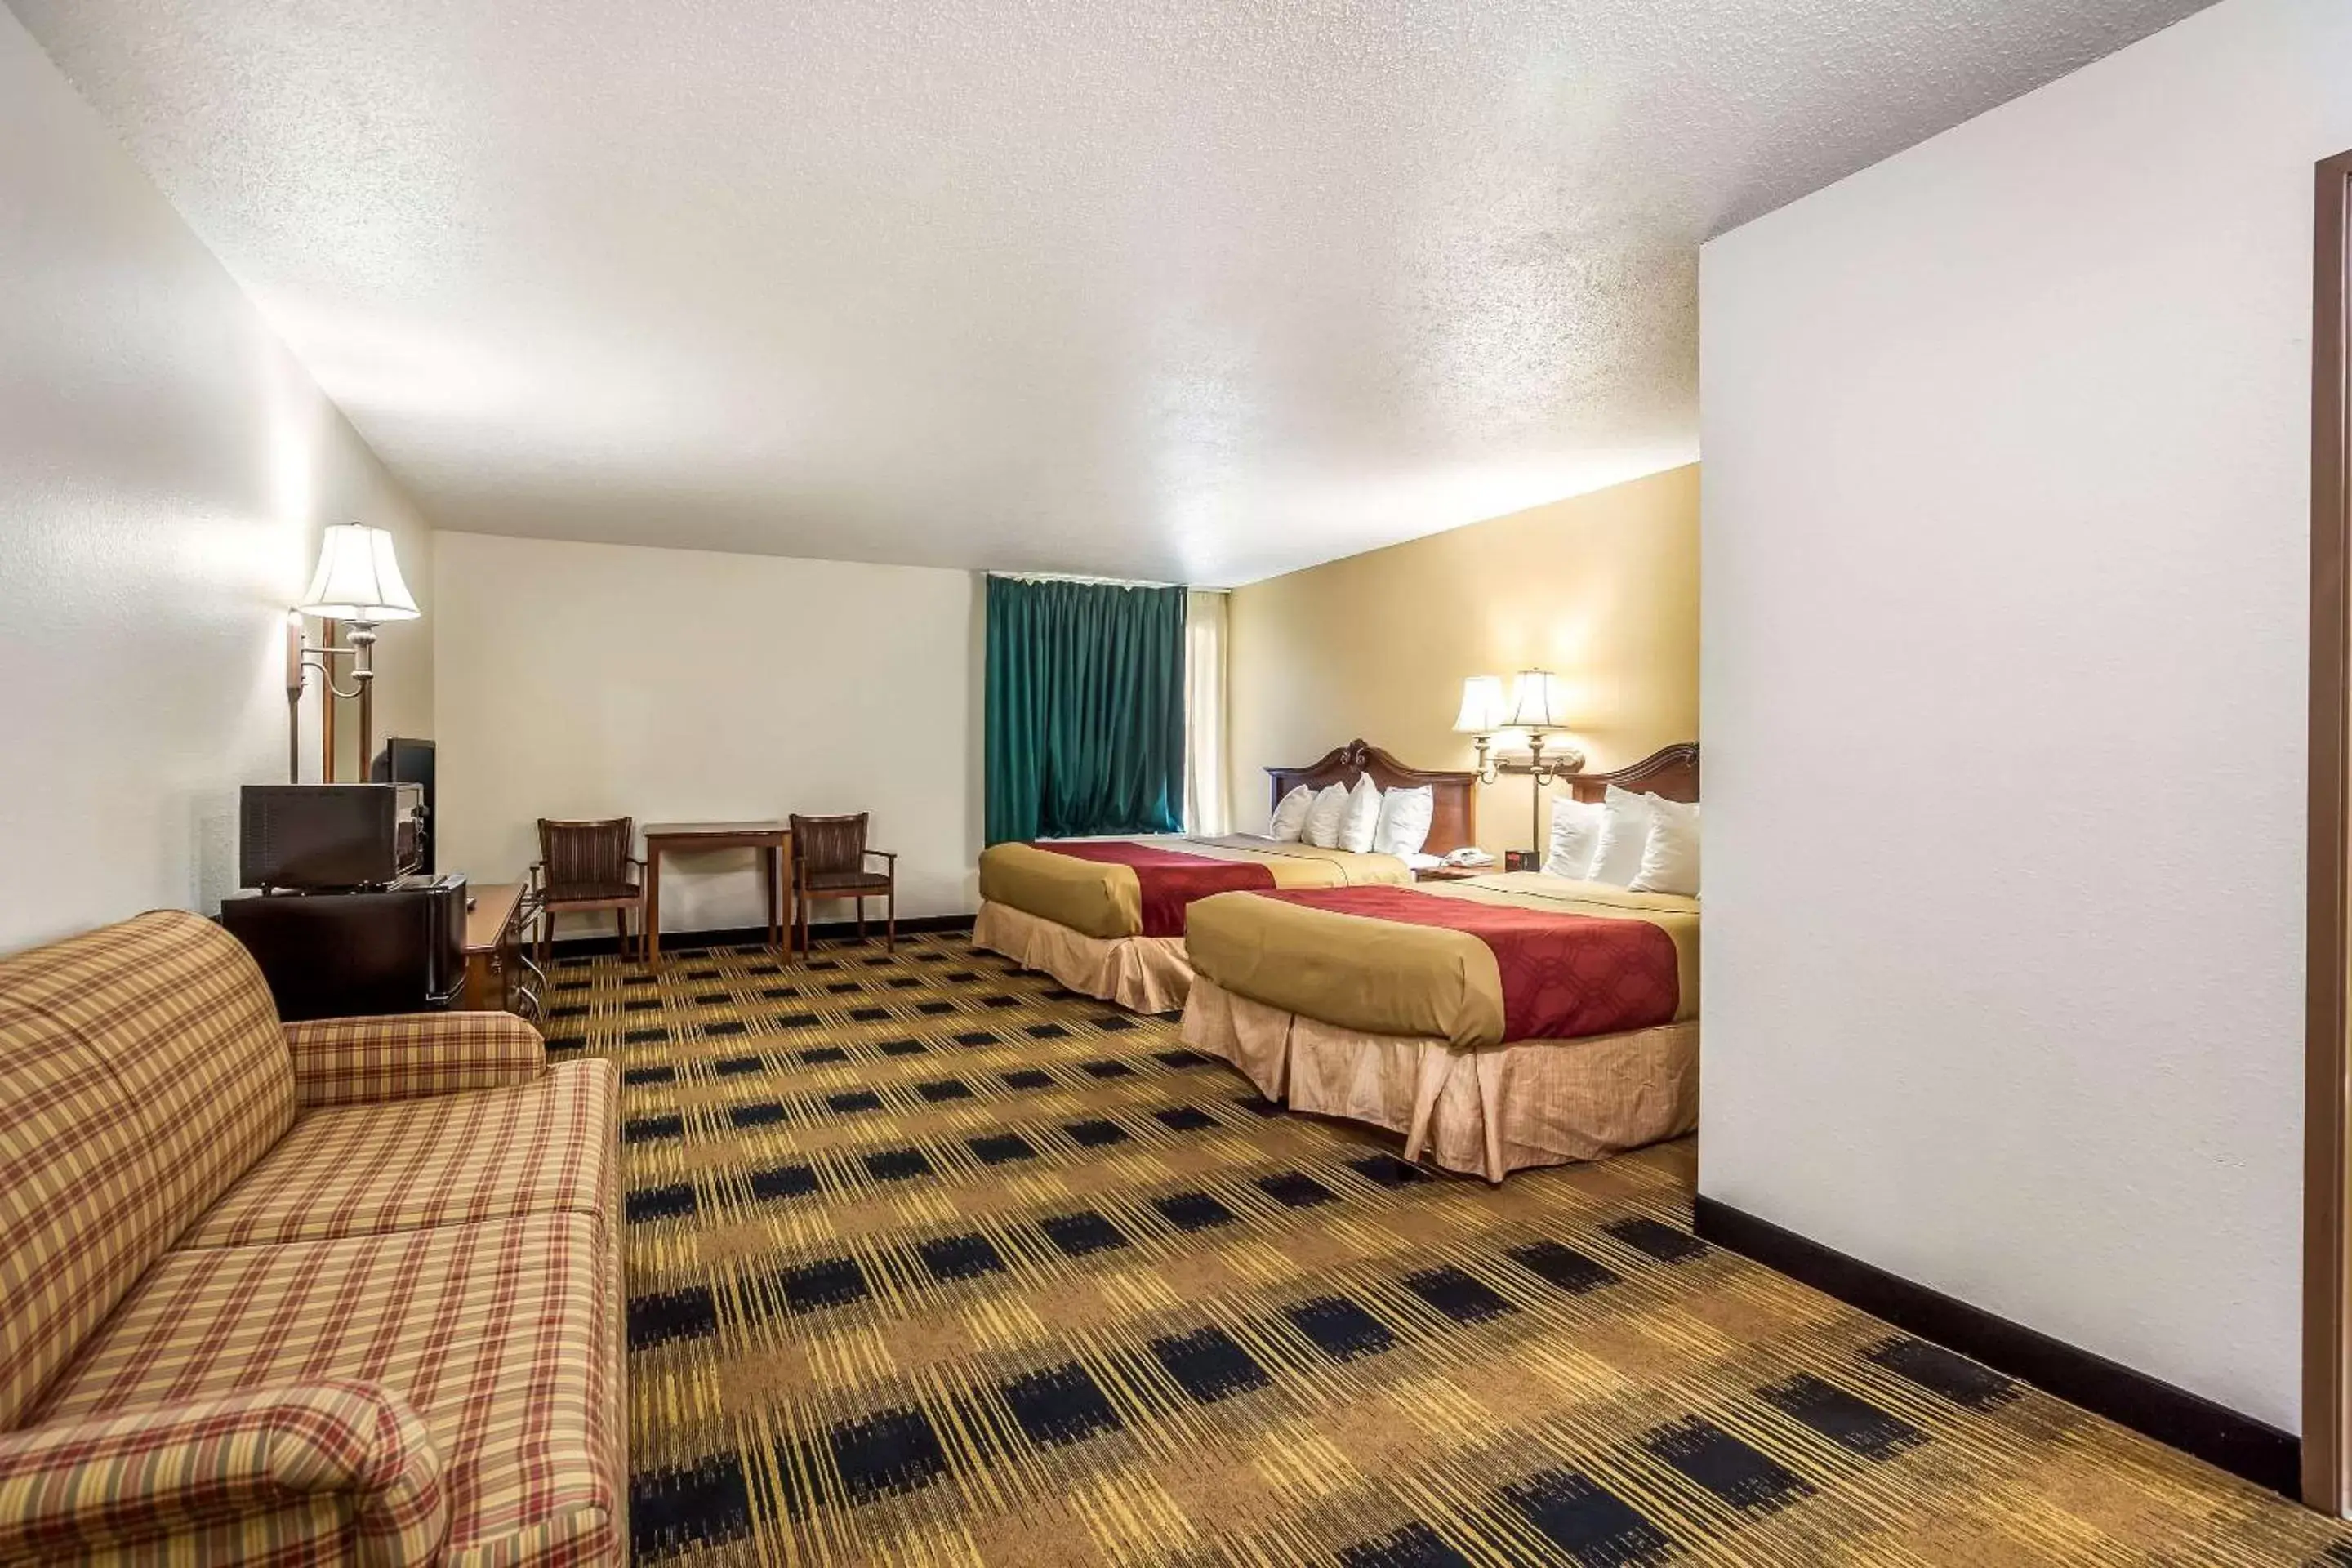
(1670, 855)
(1290, 816)
(1323, 817)
(1404, 821)
(1624, 831)
(1575, 835)
(1361, 821)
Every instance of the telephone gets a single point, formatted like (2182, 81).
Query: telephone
(1469, 855)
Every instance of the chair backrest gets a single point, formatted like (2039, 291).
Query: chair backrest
(142, 1070)
(830, 843)
(586, 854)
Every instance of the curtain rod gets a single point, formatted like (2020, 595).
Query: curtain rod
(1105, 581)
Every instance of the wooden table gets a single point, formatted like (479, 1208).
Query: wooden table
(774, 838)
(500, 976)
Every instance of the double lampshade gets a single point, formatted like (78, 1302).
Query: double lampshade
(1538, 702)
(358, 578)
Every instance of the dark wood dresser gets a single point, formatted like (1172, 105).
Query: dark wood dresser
(500, 975)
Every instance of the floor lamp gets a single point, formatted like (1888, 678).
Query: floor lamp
(358, 581)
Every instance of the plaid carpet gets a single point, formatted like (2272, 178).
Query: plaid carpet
(931, 1263)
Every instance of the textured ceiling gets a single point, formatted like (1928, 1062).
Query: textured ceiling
(1196, 289)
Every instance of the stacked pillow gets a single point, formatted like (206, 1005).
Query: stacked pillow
(1642, 842)
(1289, 824)
(1324, 816)
(1363, 820)
(1405, 816)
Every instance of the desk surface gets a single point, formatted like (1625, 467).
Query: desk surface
(493, 905)
(712, 829)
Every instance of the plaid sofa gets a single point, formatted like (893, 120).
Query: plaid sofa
(345, 1292)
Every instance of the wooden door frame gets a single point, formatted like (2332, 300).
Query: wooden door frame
(2328, 1006)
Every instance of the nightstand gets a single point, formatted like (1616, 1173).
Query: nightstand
(1452, 873)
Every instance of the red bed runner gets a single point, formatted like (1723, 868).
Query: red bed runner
(1170, 878)
(1564, 975)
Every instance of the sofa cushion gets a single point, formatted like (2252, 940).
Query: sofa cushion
(142, 1072)
(502, 1336)
(541, 1147)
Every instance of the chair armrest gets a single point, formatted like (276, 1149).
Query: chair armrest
(208, 1475)
(886, 854)
(344, 1061)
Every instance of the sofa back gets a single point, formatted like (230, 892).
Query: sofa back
(141, 1070)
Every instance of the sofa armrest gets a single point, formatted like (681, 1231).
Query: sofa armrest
(402, 1056)
(217, 1469)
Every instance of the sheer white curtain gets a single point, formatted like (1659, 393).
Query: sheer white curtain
(1204, 713)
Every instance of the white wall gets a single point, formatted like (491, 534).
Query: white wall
(2004, 552)
(166, 467)
(584, 681)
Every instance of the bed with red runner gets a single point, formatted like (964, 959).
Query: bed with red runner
(1516, 956)
(1509, 1020)
(1107, 916)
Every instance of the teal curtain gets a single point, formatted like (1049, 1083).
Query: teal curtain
(1086, 710)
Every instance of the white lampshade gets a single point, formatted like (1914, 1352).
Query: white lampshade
(1482, 706)
(1539, 702)
(358, 578)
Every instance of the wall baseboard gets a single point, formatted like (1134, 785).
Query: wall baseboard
(754, 936)
(2213, 1433)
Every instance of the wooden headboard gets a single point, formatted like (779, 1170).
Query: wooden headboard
(1671, 772)
(1453, 817)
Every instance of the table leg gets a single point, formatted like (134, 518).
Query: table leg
(653, 906)
(771, 864)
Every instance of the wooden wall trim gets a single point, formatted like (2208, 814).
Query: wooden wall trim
(2214, 1433)
(2328, 977)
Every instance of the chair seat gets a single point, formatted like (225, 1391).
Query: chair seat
(845, 881)
(592, 892)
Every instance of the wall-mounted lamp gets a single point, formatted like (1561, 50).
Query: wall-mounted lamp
(1538, 706)
(359, 582)
(1481, 716)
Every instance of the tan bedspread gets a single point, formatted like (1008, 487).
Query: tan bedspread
(1390, 977)
(1100, 900)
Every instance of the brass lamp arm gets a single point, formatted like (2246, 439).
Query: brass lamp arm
(302, 657)
(319, 658)
(1564, 764)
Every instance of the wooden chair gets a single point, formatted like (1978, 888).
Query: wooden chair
(829, 856)
(586, 866)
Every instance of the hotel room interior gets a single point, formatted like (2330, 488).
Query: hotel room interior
(923, 785)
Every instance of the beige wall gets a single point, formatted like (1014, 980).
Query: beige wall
(1602, 588)
(166, 467)
(589, 681)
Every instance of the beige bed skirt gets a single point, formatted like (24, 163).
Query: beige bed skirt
(1487, 1112)
(1146, 974)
